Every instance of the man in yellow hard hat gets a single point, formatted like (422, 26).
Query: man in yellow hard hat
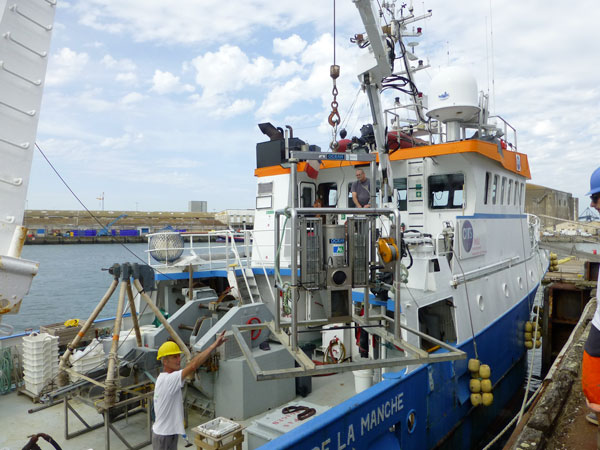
(168, 400)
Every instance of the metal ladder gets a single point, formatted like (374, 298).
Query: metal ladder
(416, 194)
(245, 285)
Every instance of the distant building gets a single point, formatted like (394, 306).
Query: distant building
(236, 218)
(543, 201)
(197, 206)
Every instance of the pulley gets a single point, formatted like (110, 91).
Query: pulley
(388, 250)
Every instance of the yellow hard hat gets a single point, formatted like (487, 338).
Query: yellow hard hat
(167, 349)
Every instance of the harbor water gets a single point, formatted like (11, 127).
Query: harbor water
(70, 282)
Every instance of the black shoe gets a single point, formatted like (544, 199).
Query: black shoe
(592, 418)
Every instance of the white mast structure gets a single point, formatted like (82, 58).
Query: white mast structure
(381, 47)
(25, 32)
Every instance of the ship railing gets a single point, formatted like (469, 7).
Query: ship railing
(511, 143)
(534, 225)
(209, 251)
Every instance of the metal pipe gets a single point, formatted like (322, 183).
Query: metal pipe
(277, 267)
(62, 379)
(134, 319)
(397, 275)
(110, 393)
(294, 253)
(162, 320)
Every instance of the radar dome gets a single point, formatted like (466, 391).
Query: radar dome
(453, 95)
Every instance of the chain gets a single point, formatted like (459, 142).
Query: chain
(334, 117)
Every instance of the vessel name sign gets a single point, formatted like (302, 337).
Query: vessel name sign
(368, 422)
(365, 157)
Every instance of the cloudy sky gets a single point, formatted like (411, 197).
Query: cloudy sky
(157, 103)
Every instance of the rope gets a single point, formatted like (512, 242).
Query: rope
(468, 305)
(6, 367)
(89, 212)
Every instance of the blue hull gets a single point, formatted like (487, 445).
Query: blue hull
(429, 407)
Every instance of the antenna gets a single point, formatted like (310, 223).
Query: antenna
(492, 47)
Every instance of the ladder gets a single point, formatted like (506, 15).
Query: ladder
(244, 286)
(415, 194)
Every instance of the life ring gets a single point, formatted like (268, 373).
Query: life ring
(254, 334)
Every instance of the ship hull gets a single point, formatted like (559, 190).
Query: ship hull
(429, 407)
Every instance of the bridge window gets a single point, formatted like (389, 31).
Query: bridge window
(502, 190)
(446, 191)
(510, 183)
(494, 189)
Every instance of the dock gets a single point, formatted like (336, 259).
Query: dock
(556, 419)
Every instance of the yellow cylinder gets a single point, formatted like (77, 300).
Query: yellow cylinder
(475, 385)
(538, 343)
(487, 399)
(528, 327)
(486, 385)
(474, 365)
(529, 344)
(528, 336)
(538, 335)
(485, 371)
(476, 399)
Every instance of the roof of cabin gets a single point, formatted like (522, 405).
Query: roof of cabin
(510, 160)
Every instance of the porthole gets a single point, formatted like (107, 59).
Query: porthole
(531, 275)
(520, 282)
(411, 421)
(505, 289)
(480, 302)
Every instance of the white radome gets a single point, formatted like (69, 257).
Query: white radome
(453, 95)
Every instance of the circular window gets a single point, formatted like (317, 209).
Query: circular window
(505, 289)
(411, 421)
(531, 275)
(520, 282)
(480, 302)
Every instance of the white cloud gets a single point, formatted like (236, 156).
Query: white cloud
(132, 97)
(190, 21)
(289, 47)
(122, 141)
(124, 65)
(229, 69)
(167, 83)
(65, 66)
(126, 78)
(239, 106)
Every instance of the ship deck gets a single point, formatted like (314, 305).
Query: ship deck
(18, 424)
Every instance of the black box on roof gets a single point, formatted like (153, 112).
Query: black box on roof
(272, 153)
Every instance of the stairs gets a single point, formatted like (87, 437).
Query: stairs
(244, 286)
(25, 31)
(416, 194)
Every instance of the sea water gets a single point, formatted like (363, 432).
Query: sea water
(71, 281)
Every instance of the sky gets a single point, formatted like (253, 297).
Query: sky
(153, 104)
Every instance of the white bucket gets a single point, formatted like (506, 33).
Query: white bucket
(363, 379)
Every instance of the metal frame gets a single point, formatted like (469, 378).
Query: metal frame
(107, 423)
(290, 341)
(309, 368)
